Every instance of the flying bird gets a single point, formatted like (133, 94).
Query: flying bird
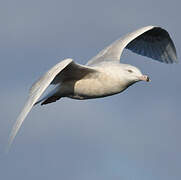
(103, 75)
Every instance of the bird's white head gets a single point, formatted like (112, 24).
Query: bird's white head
(132, 74)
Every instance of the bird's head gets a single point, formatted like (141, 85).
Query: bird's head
(132, 74)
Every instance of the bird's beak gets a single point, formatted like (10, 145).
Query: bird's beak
(145, 78)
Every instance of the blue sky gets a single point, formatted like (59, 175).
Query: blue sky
(134, 135)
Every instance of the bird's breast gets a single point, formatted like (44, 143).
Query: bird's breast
(99, 85)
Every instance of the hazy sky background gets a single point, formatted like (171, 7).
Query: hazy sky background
(130, 136)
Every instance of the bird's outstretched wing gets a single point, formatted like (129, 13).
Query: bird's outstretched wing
(151, 41)
(63, 70)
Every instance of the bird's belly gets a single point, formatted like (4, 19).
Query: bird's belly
(95, 88)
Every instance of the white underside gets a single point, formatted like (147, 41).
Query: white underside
(105, 82)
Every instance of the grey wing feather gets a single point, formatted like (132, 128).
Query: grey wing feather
(153, 42)
(35, 92)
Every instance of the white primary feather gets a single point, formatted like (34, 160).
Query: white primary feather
(35, 92)
(150, 41)
(66, 69)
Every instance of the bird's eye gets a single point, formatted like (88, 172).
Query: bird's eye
(129, 70)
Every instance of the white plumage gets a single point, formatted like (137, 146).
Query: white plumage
(103, 75)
